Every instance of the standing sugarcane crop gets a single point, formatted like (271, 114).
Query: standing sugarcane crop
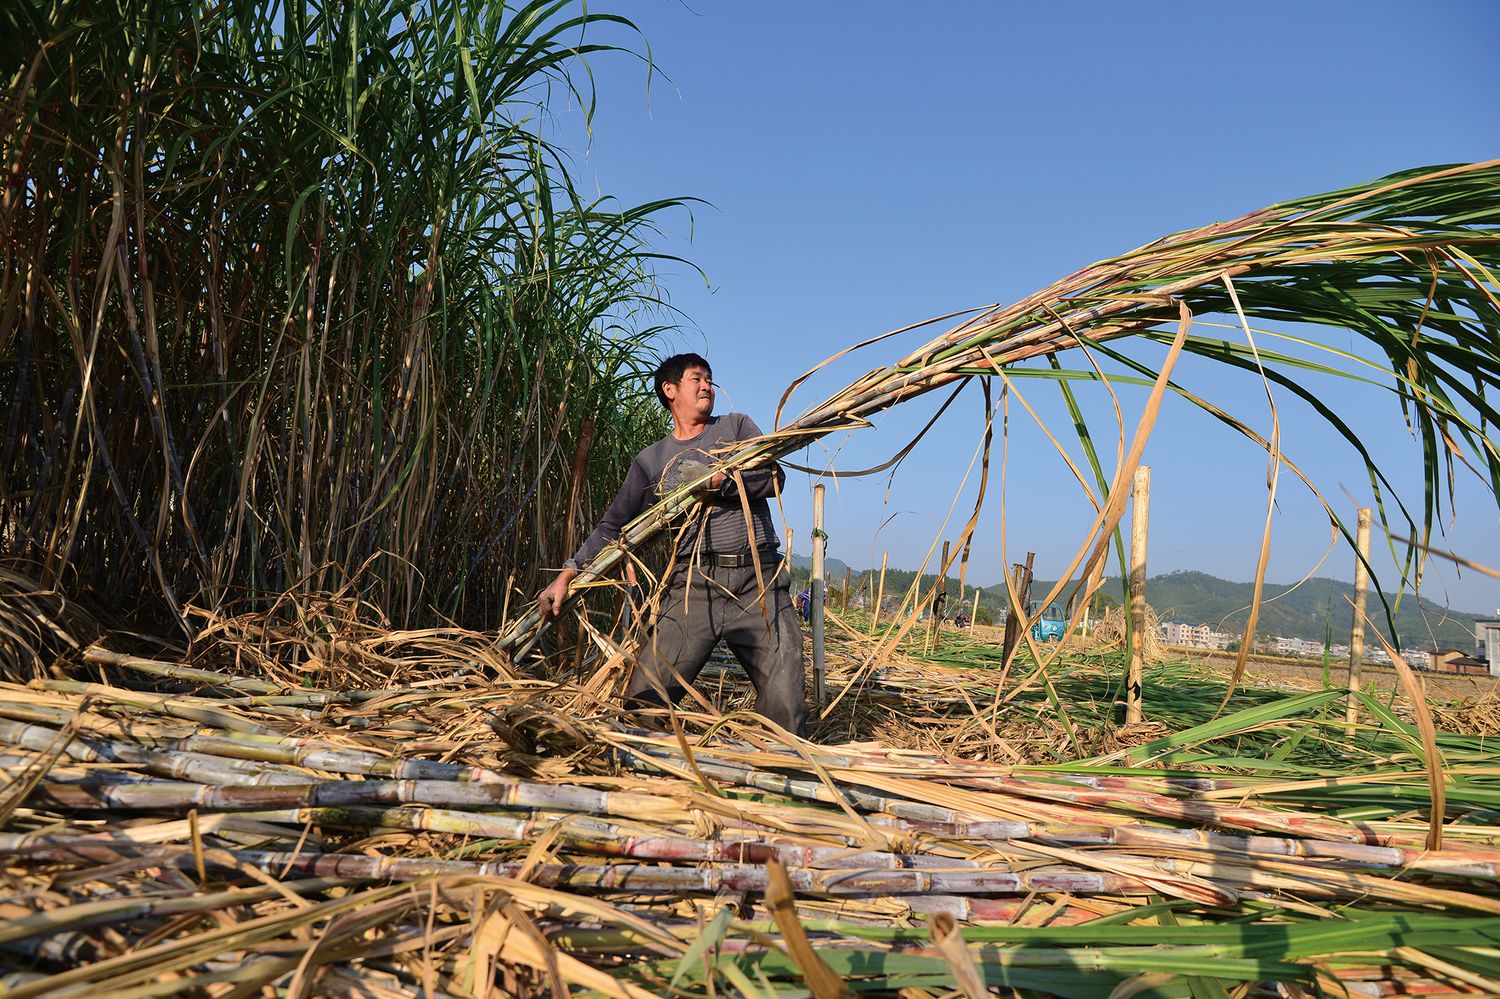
(727, 579)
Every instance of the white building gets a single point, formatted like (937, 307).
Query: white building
(1297, 647)
(1193, 636)
(1487, 644)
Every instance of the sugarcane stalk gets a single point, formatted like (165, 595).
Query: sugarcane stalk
(124, 909)
(298, 751)
(609, 839)
(169, 763)
(176, 671)
(175, 795)
(612, 877)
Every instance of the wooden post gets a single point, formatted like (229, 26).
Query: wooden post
(880, 593)
(1140, 515)
(974, 614)
(1357, 629)
(815, 595)
(844, 597)
(1021, 582)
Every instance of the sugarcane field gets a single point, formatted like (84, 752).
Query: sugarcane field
(557, 499)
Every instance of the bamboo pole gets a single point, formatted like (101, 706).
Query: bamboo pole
(880, 593)
(844, 596)
(1357, 628)
(1140, 516)
(815, 595)
(974, 613)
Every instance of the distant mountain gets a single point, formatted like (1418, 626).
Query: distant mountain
(1312, 611)
(1318, 607)
(834, 568)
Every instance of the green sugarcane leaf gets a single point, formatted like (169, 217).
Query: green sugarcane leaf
(708, 938)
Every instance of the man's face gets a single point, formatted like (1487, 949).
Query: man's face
(693, 394)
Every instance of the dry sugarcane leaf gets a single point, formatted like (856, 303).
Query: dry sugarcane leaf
(1432, 757)
(486, 945)
(781, 900)
(532, 950)
(949, 940)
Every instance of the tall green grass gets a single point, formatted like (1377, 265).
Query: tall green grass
(294, 297)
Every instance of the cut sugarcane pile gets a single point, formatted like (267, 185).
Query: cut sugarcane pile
(444, 838)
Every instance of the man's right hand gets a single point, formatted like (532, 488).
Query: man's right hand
(550, 600)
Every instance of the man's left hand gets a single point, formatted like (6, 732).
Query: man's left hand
(687, 471)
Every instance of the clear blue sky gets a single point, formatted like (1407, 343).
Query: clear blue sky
(872, 164)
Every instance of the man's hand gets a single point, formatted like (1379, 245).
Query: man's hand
(550, 600)
(688, 470)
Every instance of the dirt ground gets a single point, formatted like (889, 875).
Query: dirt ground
(1275, 671)
(1304, 674)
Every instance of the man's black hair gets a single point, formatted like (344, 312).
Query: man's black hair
(671, 371)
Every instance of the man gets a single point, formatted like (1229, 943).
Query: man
(712, 591)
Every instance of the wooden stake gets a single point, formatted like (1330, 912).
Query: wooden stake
(1140, 515)
(1021, 582)
(844, 596)
(974, 614)
(1357, 629)
(815, 594)
(880, 593)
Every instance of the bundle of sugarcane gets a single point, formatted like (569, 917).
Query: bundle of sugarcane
(1407, 262)
(241, 836)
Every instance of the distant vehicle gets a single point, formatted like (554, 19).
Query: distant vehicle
(1051, 626)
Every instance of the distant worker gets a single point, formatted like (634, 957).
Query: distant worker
(938, 603)
(712, 592)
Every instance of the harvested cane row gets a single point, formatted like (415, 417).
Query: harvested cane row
(445, 840)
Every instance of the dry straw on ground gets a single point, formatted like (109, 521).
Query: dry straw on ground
(310, 804)
(1113, 627)
(172, 827)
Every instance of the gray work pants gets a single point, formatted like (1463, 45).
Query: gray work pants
(703, 604)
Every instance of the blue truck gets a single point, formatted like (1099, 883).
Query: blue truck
(1050, 626)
